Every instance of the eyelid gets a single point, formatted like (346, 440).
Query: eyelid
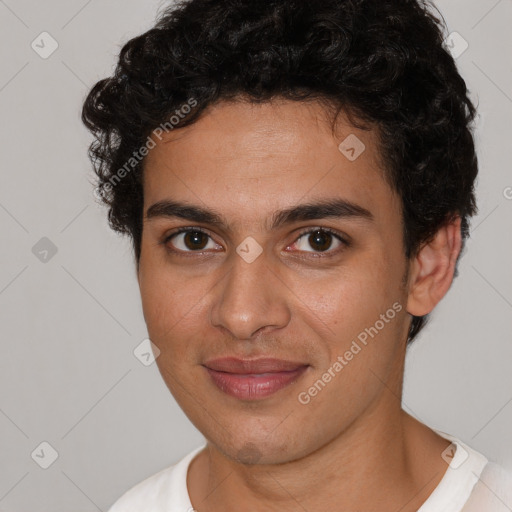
(340, 236)
(185, 229)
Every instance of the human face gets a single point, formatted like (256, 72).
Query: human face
(305, 298)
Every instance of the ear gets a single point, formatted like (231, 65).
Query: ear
(432, 269)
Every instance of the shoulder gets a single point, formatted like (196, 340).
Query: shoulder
(472, 483)
(159, 491)
(499, 480)
(493, 490)
(149, 494)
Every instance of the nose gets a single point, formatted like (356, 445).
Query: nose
(250, 299)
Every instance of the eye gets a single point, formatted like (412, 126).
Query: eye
(320, 240)
(190, 240)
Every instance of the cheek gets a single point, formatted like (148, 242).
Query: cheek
(175, 309)
(168, 308)
(359, 289)
(163, 297)
(349, 303)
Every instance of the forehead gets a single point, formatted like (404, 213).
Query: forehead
(268, 129)
(249, 159)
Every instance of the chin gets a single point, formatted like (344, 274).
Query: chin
(251, 450)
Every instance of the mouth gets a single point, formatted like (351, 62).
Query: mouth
(253, 379)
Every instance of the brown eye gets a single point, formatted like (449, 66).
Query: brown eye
(319, 240)
(190, 240)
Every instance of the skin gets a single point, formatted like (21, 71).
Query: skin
(352, 447)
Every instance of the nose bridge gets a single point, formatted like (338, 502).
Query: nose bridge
(250, 297)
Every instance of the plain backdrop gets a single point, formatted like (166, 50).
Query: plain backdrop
(69, 302)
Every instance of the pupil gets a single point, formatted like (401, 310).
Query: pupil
(193, 240)
(321, 240)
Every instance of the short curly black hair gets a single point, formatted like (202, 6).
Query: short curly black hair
(383, 62)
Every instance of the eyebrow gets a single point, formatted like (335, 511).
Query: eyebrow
(328, 208)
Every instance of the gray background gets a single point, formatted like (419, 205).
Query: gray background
(71, 321)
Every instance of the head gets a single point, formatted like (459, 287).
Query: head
(251, 121)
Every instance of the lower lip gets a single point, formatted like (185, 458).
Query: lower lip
(254, 386)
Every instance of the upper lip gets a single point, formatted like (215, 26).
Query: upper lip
(246, 366)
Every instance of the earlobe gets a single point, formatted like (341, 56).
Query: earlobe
(432, 270)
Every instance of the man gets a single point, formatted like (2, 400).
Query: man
(297, 179)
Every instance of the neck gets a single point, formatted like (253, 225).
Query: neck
(386, 460)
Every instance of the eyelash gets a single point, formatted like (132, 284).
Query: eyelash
(315, 254)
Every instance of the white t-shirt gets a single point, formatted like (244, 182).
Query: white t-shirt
(470, 484)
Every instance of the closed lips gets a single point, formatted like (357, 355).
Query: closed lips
(255, 366)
